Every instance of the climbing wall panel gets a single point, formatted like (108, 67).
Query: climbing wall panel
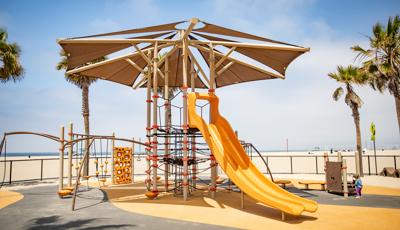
(122, 165)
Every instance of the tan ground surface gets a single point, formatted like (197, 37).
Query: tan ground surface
(225, 211)
(9, 197)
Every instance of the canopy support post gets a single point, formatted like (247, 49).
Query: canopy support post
(193, 139)
(213, 185)
(154, 157)
(167, 121)
(148, 130)
(185, 120)
(112, 158)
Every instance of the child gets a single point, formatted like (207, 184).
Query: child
(358, 185)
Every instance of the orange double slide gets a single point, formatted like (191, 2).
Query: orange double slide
(233, 159)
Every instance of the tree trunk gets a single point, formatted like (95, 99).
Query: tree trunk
(397, 101)
(85, 114)
(358, 154)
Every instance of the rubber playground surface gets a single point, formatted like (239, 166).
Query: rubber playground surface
(125, 206)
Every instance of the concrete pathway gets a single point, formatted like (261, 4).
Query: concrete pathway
(42, 209)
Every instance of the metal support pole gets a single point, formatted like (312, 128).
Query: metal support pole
(241, 199)
(193, 139)
(70, 138)
(316, 164)
(369, 165)
(291, 165)
(41, 169)
(376, 163)
(154, 157)
(167, 120)
(185, 149)
(148, 131)
(211, 60)
(61, 161)
(10, 176)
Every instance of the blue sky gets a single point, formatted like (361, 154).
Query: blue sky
(299, 108)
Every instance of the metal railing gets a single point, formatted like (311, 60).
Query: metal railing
(278, 164)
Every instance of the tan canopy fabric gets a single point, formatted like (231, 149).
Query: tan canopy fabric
(276, 56)
(214, 29)
(175, 79)
(165, 27)
(120, 71)
(276, 59)
(124, 73)
(236, 73)
(79, 54)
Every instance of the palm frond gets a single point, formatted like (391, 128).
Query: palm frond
(337, 93)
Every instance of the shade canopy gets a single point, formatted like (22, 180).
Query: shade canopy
(229, 58)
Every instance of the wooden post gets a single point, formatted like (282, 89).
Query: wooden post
(154, 157)
(133, 161)
(112, 159)
(213, 186)
(167, 121)
(326, 159)
(61, 162)
(185, 120)
(70, 138)
(339, 156)
(344, 176)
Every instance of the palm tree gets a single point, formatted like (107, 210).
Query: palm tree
(10, 68)
(83, 82)
(382, 59)
(348, 76)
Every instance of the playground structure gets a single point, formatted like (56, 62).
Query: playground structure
(168, 58)
(168, 61)
(336, 176)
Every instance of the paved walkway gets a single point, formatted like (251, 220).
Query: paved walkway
(42, 209)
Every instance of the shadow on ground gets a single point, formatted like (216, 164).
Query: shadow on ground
(55, 222)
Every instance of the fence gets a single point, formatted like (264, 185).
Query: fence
(22, 170)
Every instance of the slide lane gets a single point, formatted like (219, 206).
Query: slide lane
(232, 158)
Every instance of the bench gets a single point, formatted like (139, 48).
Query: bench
(282, 182)
(307, 183)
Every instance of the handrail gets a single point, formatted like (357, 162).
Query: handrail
(54, 138)
(262, 158)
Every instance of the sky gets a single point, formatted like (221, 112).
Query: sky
(299, 109)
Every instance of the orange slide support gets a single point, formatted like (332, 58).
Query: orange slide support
(233, 159)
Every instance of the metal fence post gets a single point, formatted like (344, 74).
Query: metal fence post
(291, 165)
(10, 172)
(395, 165)
(369, 166)
(316, 164)
(41, 169)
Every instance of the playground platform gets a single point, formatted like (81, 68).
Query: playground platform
(126, 207)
